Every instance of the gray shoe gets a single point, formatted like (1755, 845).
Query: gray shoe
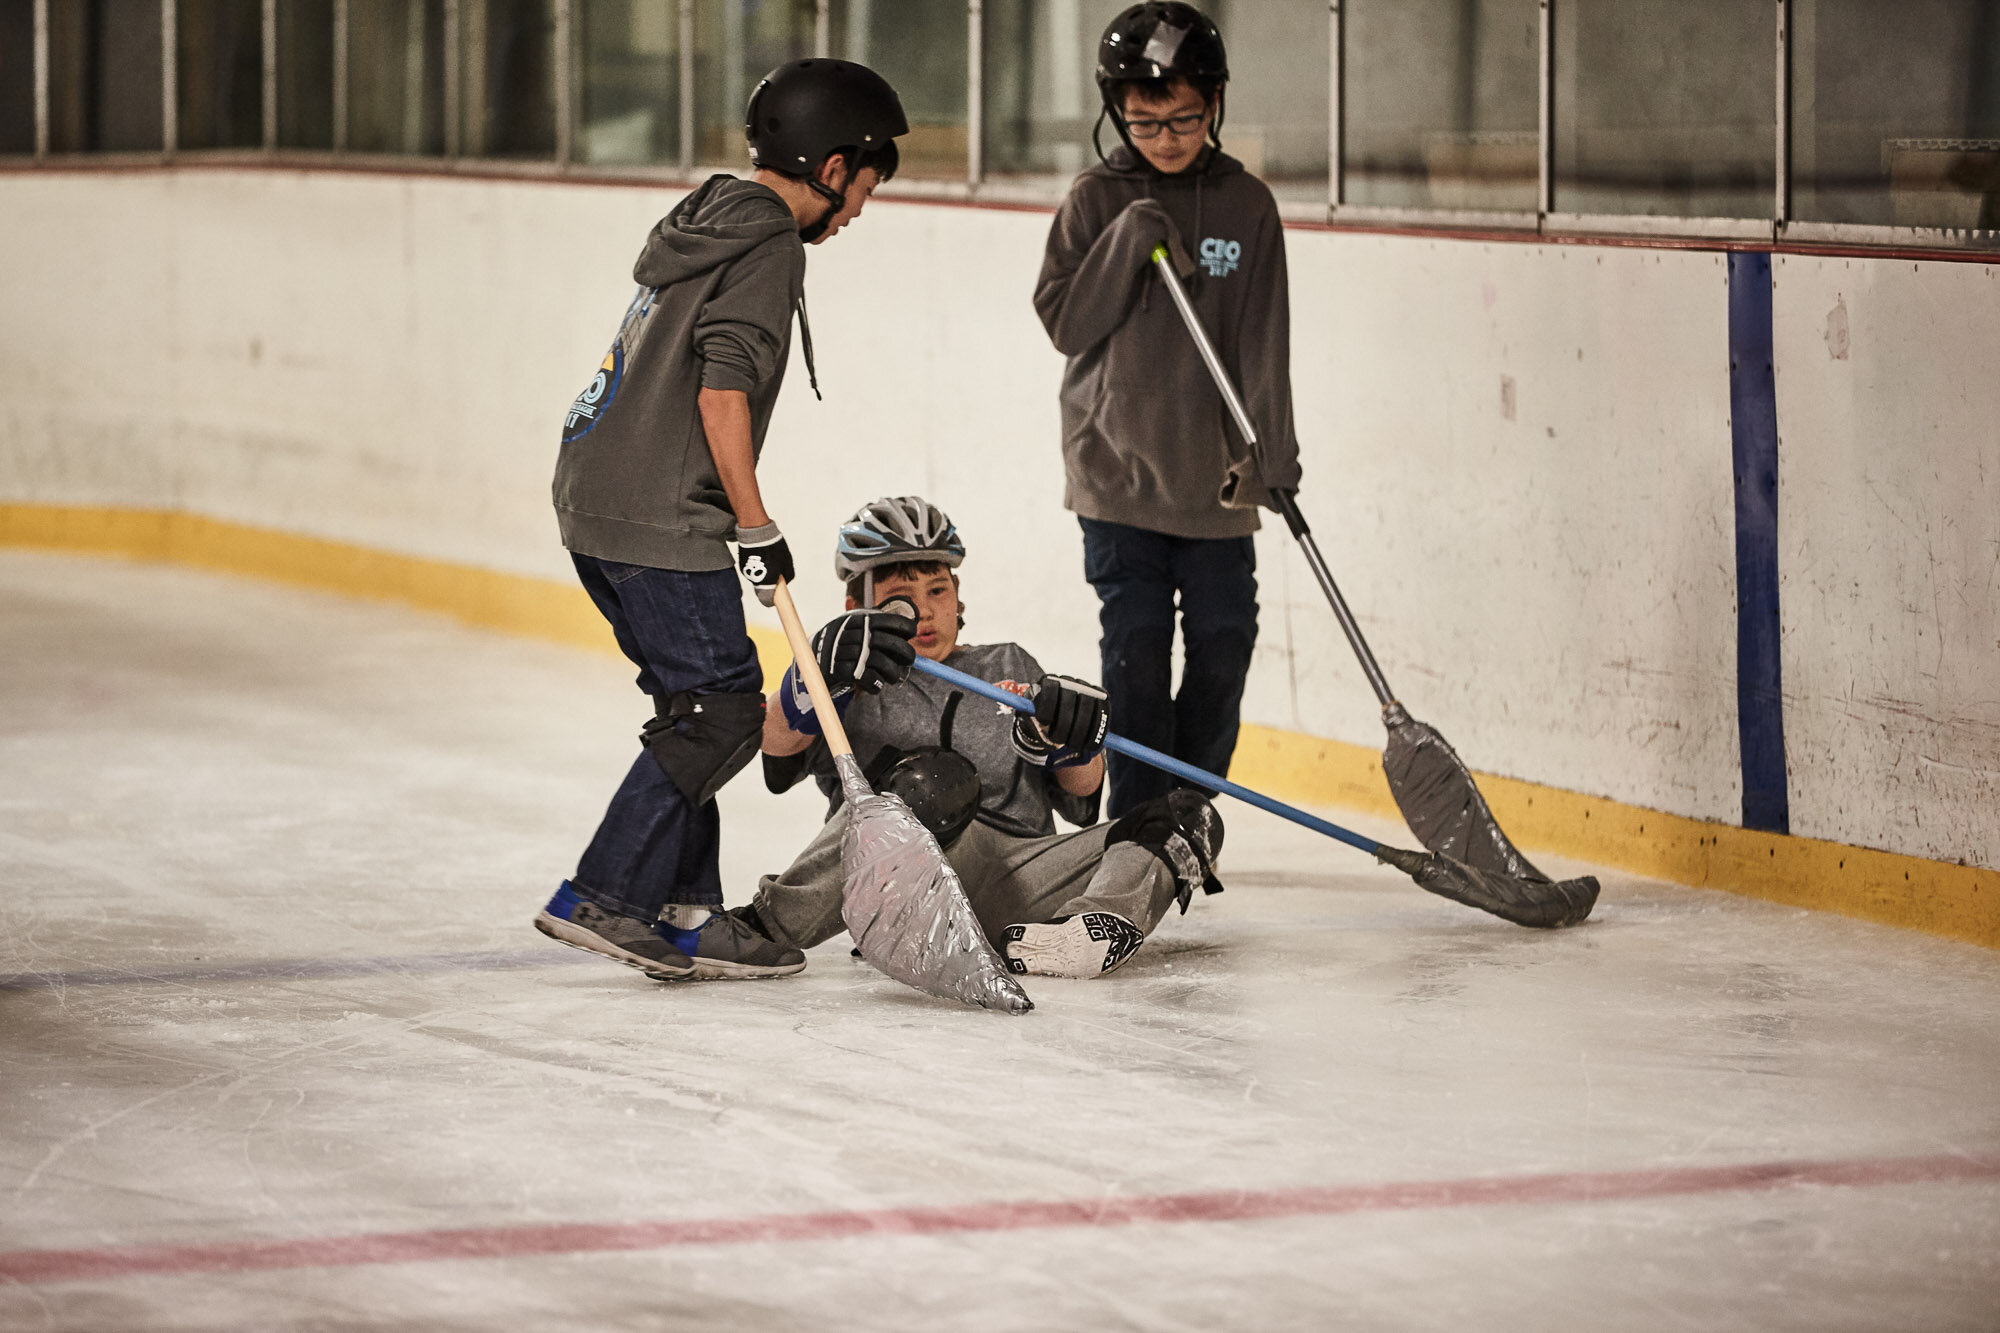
(733, 946)
(582, 924)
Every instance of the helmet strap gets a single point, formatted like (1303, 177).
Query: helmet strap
(835, 201)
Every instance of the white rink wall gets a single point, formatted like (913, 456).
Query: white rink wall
(1517, 455)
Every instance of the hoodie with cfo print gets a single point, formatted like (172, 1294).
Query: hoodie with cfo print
(718, 281)
(1147, 440)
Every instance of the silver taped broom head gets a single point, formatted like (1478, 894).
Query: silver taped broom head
(906, 909)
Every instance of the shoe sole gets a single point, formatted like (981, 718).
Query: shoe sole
(576, 937)
(716, 969)
(1068, 949)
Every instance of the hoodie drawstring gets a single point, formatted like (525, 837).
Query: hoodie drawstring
(806, 337)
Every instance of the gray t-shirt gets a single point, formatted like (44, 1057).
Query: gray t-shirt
(1015, 797)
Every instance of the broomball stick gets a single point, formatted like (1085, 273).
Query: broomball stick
(1541, 903)
(1432, 786)
(902, 901)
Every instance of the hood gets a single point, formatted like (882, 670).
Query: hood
(1122, 161)
(725, 217)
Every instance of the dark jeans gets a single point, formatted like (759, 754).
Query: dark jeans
(1140, 577)
(685, 631)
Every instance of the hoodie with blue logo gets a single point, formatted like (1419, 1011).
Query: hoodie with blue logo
(719, 279)
(1147, 440)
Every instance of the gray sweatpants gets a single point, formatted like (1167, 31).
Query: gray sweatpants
(1008, 880)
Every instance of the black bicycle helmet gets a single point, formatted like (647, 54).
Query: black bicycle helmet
(804, 110)
(1161, 39)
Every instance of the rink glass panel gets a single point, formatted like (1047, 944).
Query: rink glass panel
(219, 73)
(17, 78)
(395, 76)
(629, 89)
(105, 78)
(922, 51)
(507, 69)
(1896, 112)
(1665, 108)
(305, 42)
(1441, 103)
(736, 43)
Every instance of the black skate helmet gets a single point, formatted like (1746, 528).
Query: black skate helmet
(804, 111)
(1161, 39)
(900, 530)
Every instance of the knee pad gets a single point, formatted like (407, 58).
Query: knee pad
(1183, 830)
(700, 741)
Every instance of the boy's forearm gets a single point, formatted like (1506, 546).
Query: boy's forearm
(1083, 779)
(725, 420)
(779, 737)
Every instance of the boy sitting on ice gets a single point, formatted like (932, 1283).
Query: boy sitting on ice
(986, 781)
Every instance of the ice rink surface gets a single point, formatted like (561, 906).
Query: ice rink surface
(278, 1049)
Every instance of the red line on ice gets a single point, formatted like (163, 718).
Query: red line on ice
(41, 1266)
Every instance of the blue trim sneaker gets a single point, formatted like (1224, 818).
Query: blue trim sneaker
(1088, 944)
(582, 924)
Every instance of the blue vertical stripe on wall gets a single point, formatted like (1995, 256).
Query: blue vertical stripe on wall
(1753, 417)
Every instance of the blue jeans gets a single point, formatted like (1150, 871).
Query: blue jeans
(1140, 578)
(684, 631)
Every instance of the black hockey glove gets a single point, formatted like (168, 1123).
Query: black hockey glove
(865, 650)
(1068, 727)
(764, 558)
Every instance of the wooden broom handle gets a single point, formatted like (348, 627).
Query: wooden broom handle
(808, 669)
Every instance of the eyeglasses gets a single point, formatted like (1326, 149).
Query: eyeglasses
(1182, 126)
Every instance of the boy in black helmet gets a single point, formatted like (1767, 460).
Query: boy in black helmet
(986, 781)
(1158, 478)
(657, 474)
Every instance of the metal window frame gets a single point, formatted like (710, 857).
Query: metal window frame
(1336, 109)
(685, 54)
(975, 93)
(41, 79)
(1781, 203)
(565, 80)
(269, 24)
(1781, 228)
(340, 72)
(170, 84)
(1545, 112)
(454, 80)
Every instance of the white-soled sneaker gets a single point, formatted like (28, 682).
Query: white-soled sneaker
(1088, 944)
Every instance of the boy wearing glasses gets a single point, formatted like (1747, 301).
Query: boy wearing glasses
(1163, 487)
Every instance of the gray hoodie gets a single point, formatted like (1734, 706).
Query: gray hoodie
(1146, 438)
(718, 281)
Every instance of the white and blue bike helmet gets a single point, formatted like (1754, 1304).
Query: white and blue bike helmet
(898, 530)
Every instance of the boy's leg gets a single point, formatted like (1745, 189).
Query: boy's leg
(1131, 569)
(801, 907)
(1002, 876)
(1218, 585)
(655, 846)
(1093, 915)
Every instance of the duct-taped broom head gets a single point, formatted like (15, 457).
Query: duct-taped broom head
(1536, 902)
(906, 909)
(1441, 803)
